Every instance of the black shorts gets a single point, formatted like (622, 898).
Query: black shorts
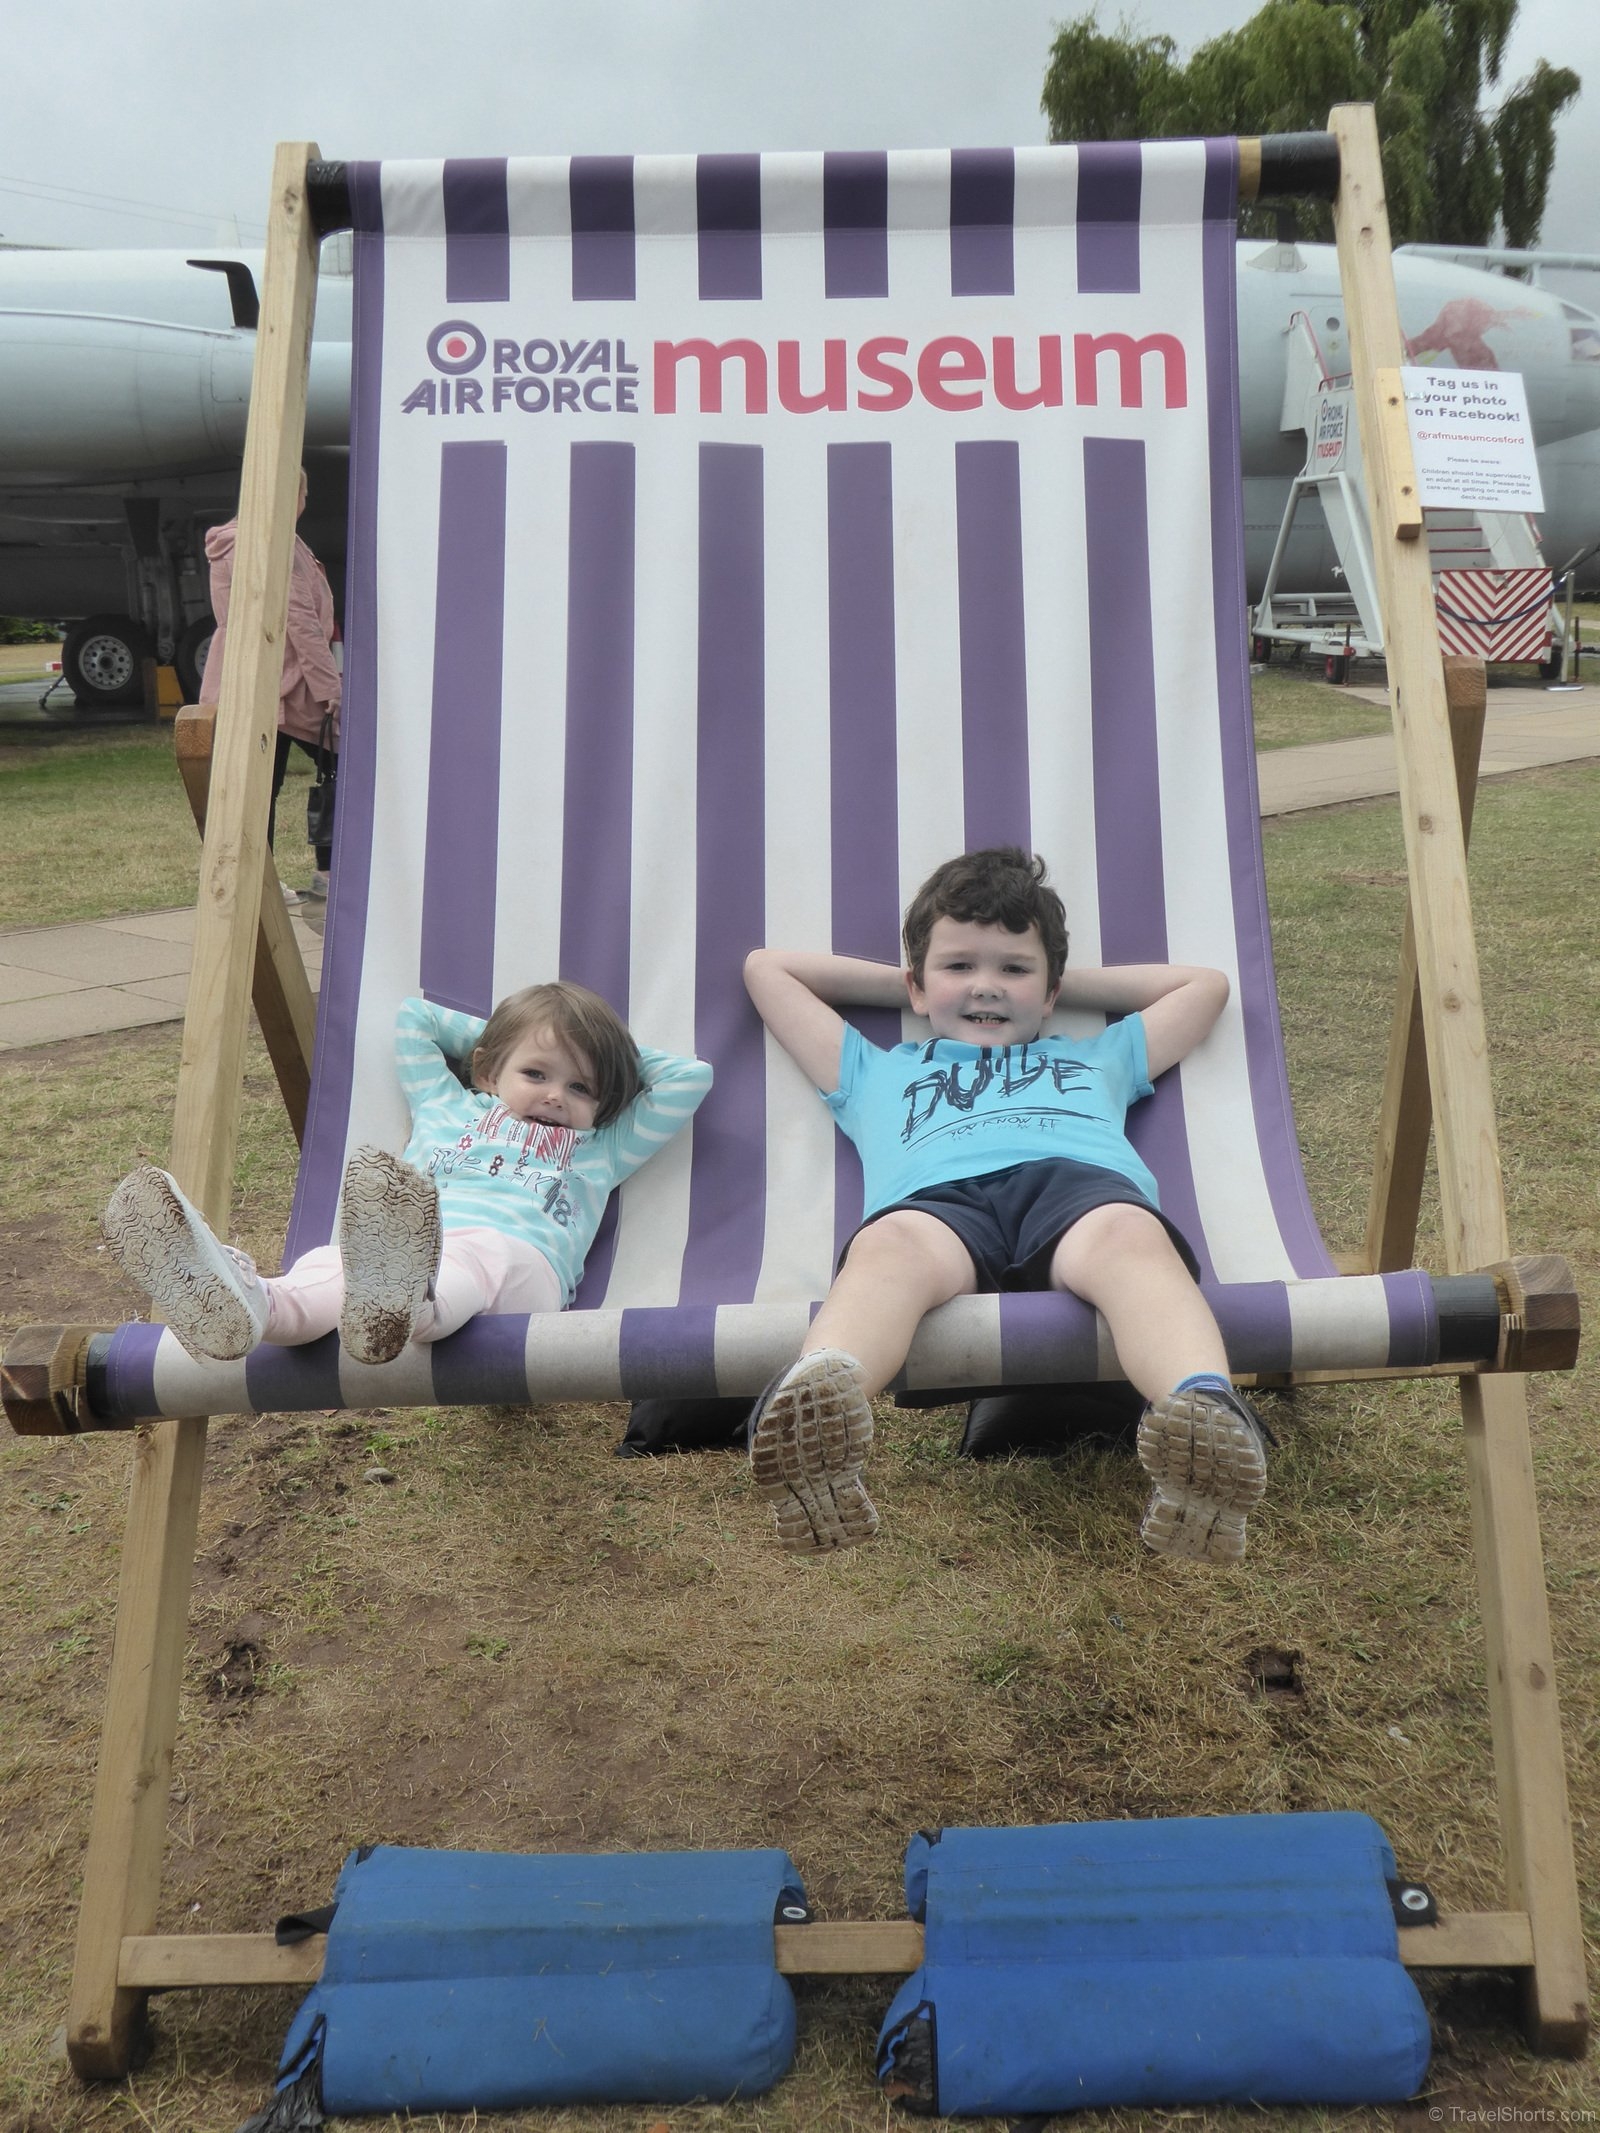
(1012, 1220)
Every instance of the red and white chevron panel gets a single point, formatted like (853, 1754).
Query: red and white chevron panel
(1494, 614)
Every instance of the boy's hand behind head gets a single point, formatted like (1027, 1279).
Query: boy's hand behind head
(983, 984)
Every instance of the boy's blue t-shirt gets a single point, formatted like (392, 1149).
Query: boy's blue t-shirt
(924, 1114)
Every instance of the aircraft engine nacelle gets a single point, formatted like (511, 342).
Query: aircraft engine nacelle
(104, 398)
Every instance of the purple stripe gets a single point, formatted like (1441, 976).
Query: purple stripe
(477, 231)
(461, 859)
(728, 202)
(727, 1202)
(994, 676)
(316, 1189)
(486, 1361)
(131, 1372)
(1258, 989)
(1413, 1320)
(1253, 1317)
(1127, 791)
(669, 1355)
(597, 834)
(855, 223)
(601, 190)
(983, 188)
(863, 801)
(1109, 175)
(1048, 1339)
(291, 1380)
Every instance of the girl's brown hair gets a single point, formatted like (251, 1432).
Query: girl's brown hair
(584, 1023)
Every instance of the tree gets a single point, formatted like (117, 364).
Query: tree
(1454, 172)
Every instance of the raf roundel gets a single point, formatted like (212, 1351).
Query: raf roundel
(456, 346)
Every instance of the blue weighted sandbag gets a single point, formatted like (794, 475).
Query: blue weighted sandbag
(486, 1980)
(1208, 1960)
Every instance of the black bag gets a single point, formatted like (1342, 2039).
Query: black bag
(319, 800)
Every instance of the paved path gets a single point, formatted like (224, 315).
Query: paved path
(122, 973)
(1524, 728)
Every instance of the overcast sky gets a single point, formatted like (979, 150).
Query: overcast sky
(152, 122)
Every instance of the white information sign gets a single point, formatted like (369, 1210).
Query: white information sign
(1472, 440)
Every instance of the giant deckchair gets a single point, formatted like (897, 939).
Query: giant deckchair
(732, 539)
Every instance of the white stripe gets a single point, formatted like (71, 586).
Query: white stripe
(791, 204)
(539, 198)
(539, 218)
(1055, 595)
(667, 271)
(533, 724)
(1046, 201)
(184, 1385)
(406, 1382)
(959, 1344)
(919, 241)
(413, 206)
(1172, 181)
(797, 1252)
(407, 575)
(1236, 1211)
(752, 1343)
(1339, 1325)
(665, 204)
(653, 1224)
(927, 624)
(576, 1356)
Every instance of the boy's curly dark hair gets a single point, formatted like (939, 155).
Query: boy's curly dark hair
(1003, 886)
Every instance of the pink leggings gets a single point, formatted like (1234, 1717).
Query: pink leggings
(479, 1271)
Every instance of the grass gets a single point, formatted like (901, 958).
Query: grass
(1295, 707)
(521, 1643)
(97, 826)
(26, 662)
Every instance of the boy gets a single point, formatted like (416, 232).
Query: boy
(994, 1158)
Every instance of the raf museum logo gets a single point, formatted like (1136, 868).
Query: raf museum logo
(474, 374)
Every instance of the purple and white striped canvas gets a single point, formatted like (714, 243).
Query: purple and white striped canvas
(734, 538)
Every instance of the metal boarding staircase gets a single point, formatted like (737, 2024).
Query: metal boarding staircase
(1347, 623)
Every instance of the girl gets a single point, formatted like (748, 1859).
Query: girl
(493, 1208)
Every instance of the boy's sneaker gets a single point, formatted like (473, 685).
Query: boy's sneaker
(811, 1436)
(316, 890)
(291, 897)
(389, 1240)
(1205, 1450)
(209, 1294)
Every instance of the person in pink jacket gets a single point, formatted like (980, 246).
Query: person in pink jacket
(311, 682)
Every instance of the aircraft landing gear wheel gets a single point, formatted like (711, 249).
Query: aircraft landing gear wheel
(189, 656)
(1550, 669)
(101, 660)
(1261, 651)
(1337, 666)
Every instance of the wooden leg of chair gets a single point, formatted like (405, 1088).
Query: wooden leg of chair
(280, 990)
(1530, 1769)
(122, 1866)
(1406, 1110)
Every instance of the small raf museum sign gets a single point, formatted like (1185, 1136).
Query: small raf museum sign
(1471, 440)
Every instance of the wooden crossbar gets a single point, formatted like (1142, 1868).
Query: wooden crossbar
(1469, 1940)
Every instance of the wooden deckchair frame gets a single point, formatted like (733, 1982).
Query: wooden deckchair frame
(1437, 1072)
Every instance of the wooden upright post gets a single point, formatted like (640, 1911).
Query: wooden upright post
(122, 1867)
(1529, 1761)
